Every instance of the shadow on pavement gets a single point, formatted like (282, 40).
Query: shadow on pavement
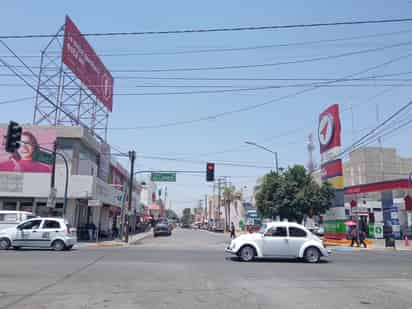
(275, 260)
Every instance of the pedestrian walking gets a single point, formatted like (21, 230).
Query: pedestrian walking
(354, 236)
(232, 231)
(362, 237)
(92, 231)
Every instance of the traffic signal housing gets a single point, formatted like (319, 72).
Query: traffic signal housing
(210, 172)
(13, 137)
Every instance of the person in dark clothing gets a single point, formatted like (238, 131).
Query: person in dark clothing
(354, 236)
(362, 237)
(232, 231)
(92, 231)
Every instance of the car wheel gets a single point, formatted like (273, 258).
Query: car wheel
(58, 245)
(247, 254)
(4, 244)
(312, 255)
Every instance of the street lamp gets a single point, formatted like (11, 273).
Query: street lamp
(268, 150)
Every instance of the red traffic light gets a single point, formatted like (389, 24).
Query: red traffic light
(210, 172)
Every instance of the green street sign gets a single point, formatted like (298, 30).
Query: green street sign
(43, 157)
(165, 177)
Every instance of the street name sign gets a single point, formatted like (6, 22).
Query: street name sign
(43, 157)
(163, 177)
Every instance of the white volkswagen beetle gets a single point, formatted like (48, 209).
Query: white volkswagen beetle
(280, 240)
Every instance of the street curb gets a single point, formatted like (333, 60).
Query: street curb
(344, 242)
(106, 245)
(143, 236)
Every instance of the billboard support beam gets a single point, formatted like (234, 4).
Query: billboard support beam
(62, 97)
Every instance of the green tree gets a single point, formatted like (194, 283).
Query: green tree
(292, 195)
(229, 196)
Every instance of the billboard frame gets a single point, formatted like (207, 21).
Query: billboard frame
(62, 98)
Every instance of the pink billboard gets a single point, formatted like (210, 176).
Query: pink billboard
(22, 159)
(80, 57)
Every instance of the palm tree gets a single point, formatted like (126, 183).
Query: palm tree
(229, 196)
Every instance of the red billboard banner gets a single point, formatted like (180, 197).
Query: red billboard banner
(332, 169)
(22, 160)
(80, 57)
(329, 128)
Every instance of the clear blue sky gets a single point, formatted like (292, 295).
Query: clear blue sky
(282, 126)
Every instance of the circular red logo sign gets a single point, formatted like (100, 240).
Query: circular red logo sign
(326, 129)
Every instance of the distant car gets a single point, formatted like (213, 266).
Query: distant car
(52, 233)
(162, 228)
(185, 225)
(279, 240)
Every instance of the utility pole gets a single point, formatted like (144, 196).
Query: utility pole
(218, 197)
(206, 218)
(53, 177)
(132, 157)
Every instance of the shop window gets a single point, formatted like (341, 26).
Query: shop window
(9, 206)
(26, 207)
(42, 210)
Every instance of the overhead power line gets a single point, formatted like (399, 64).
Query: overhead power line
(374, 133)
(255, 89)
(220, 29)
(238, 49)
(257, 65)
(259, 105)
(317, 78)
(262, 65)
(17, 100)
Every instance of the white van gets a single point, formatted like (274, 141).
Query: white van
(12, 218)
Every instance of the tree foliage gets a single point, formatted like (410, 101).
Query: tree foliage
(187, 217)
(292, 195)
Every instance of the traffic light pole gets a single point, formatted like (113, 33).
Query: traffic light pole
(132, 156)
(55, 153)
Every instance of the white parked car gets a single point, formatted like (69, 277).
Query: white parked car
(280, 240)
(52, 233)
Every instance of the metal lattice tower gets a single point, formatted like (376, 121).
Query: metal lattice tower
(62, 99)
(311, 147)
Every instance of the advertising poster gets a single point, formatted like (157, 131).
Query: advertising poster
(22, 160)
(80, 57)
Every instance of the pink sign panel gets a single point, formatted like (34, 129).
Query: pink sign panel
(80, 57)
(22, 159)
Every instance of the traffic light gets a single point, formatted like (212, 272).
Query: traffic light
(13, 136)
(210, 172)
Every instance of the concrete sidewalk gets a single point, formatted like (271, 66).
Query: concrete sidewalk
(379, 244)
(373, 244)
(133, 240)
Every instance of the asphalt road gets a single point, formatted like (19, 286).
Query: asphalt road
(190, 270)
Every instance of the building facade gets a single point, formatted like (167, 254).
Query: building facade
(95, 186)
(376, 183)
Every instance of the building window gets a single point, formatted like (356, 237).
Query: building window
(9, 206)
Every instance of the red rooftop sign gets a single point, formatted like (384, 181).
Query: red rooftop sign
(80, 57)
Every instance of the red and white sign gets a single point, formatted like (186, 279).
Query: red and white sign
(23, 159)
(80, 57)
(329, 128)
